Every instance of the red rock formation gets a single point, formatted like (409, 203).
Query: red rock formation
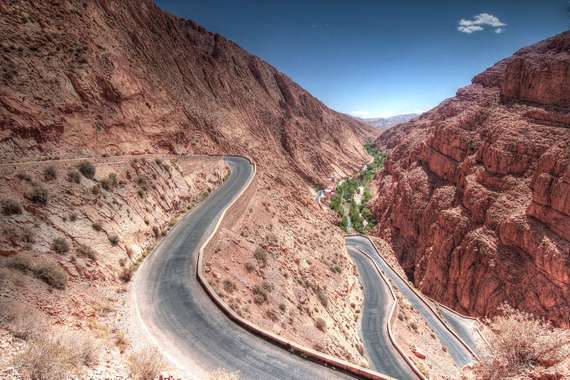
(475, 197)
(122, 76)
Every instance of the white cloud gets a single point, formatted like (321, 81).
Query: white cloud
(469, 29)
(479, 22)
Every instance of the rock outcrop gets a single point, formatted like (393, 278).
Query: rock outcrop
(475, 197)
(111, 78)
(117, 77)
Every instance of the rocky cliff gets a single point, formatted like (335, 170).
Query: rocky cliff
(475, 197)
(111, 77)
(120, 77)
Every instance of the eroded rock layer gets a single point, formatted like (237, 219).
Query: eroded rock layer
(475, 197)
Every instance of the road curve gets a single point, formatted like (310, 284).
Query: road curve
(378, 302)
(457, 350)
(180, 317)
(464, 327)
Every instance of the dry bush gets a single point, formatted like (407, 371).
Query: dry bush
(50, 173)
(38, 195)
(47, 270)
(87, 169)
(519, 341)
(126, 274)
(60, 245)
(86, 251)
(51, 273)
(74, 176)
(11, 207)
(121, 341)
(321, 324)
(146, 364)
(57, 356)
(22, 320)
(261, 256)
(223, 374)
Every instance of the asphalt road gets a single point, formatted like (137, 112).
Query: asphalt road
(464, 327)
(382, 355)
(458, 352)
(180, 317)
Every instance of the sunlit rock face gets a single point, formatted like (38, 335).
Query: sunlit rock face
(475, 197)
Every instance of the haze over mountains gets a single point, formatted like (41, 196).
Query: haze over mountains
(389, 122)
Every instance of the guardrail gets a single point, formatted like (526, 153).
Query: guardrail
(395, 306)
(423, 299)
(474, 319)
(293, 347)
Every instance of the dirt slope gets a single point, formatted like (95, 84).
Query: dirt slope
(123, 76)
(475, 195)
(93, 78)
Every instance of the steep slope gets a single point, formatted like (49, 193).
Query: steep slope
(109, 78)
(475, 195)
(115, 77)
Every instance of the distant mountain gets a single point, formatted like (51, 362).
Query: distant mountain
(387, 122)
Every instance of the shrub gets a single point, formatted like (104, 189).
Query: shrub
(50, 173)
(146, 364)
(46, 270)
(249, 267)
(86, 251)
(87, 169)
(267, 286)
(21, 320)
(11, 207)
(282, 307)
(260, 255)
(97, 226)
(60, 245)
(24, 177)
(126, 274)
(38, 195)
(109, 182)
(74, 176)
(121, 341)
(259, 294)
(518, 341)
(322, 297)
(52, 274)
(229, 286)
(114, 239)
(46, 359)
(96, 189)
(27, 235)
(321, 324)
(57, 356)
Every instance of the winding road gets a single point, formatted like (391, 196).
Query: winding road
(378, 302)
(175, 311)
(180, 317)
(458, 351)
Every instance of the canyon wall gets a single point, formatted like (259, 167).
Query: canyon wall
(119, 77)
(475, 198)
(116, 77)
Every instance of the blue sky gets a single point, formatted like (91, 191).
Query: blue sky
(374, 58)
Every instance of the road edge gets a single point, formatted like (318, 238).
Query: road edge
(423, 298)
(304, 352)
(395, 306)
